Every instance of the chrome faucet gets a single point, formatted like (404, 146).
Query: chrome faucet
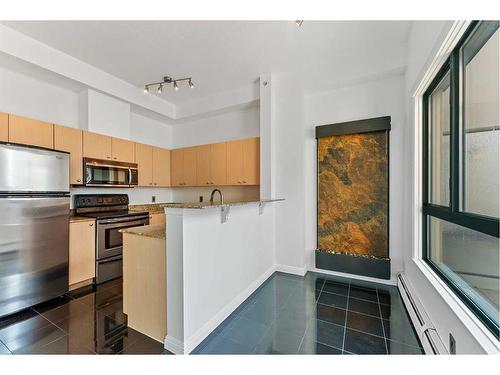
(212, 196)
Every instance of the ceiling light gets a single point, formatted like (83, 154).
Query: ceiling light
(167, 80)
(299, 23)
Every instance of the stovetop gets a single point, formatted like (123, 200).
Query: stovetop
(113, 214)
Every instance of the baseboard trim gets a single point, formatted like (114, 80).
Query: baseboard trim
(173, 345)
(392, 281)
(292, 270)
(194, 340)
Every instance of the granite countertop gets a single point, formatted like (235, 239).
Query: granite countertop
(154, 231)
(205, 205)
(152, 208)
(74, 219)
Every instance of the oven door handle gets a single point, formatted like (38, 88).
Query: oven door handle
(122, 221)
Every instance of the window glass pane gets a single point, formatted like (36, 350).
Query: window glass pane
(470, 260)
(439, 143)
(480, 121)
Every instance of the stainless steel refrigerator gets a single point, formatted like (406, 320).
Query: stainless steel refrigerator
(34, 226)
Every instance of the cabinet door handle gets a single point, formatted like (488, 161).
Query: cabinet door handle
(91, 224)
(155, 183)
(79, 180)
(244, 182)
(114, 158)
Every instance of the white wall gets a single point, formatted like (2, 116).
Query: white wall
(288, 156)
(149, 131)
(237, 124)
(24, 95)
(372, 99)
(447, 314)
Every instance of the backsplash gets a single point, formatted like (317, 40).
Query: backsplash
(231, 193)
(175, 194)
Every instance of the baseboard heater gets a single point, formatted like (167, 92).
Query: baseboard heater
(427, 333)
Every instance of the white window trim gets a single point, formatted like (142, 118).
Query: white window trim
(481, 333)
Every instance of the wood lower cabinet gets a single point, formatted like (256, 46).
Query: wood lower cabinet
(157, 218)
(31, 132)
(81, 251)
(183, 167)
(122, 150)
(96, 146)
(4, 127)
(161, 167)
(71, 140)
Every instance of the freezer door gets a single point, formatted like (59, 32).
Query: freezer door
(28, 169)
(34, 246)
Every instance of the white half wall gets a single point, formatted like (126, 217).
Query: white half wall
(216, 266)
(376, 98)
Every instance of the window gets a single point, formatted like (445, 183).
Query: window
(461, 154)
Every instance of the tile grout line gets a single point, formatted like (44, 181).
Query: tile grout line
(382, 321)
(346, 313)
(316, 303)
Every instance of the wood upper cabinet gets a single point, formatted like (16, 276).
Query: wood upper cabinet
(211, 164)
(122, 150)
(81, 251)
(177, 167)
(71, 140)
(203, 176)
(235, 162)
(243, 162)
(183, 166)
(161, 167)
(251, 161)
(96, 146)
(4, 127)
(31, 132)
(144, 160)
(189, 166)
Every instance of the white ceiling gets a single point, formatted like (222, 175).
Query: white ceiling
(219, 55)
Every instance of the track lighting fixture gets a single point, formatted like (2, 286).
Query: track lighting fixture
(299, 23)
(168, 80)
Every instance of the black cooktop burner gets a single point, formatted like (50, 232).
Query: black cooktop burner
(113, 214)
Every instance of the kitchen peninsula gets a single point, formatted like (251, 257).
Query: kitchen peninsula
(217, 256)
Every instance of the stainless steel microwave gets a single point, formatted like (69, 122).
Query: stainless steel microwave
(105, 173)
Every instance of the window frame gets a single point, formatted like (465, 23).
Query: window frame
(452, 213)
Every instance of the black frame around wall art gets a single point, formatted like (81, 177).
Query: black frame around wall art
(347, 263)
(453, 212)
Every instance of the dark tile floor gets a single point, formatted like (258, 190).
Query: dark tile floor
(86, 321)
(316, 315)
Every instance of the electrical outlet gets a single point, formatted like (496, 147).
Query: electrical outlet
(153, 198)
(201, 198)
(453, 345)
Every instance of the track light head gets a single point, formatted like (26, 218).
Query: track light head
(191, 85)
(146, 89)
(299, 23)
(160, 89)
(176, 88)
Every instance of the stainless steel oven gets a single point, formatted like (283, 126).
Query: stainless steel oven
(112, 215)
(105, 173)
(109, 244)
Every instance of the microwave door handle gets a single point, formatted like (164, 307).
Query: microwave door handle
(129, 176)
